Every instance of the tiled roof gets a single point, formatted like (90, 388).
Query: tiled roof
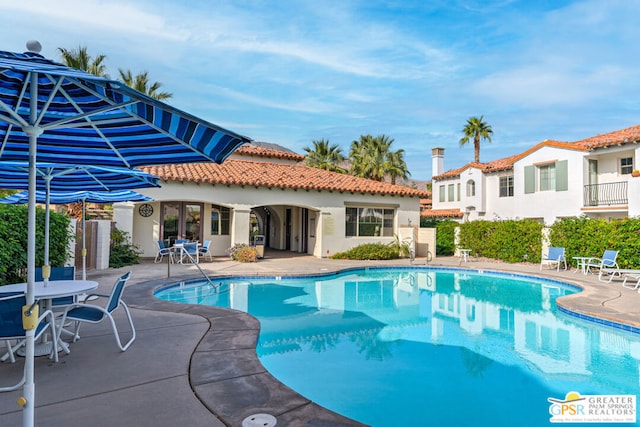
(253, 150)
(274, 175)
(441, 213)
(619, 137)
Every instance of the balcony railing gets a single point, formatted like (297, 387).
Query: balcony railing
(609, 194)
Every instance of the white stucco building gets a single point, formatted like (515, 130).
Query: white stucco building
(265, 191)
(551, 180)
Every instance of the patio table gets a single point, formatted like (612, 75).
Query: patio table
(465, 255)
(179, 248)
(582, 262)
(53, 289)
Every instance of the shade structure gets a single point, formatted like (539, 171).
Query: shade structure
(52, 113)
(68, 178)
(80, 118)
(65, 197)
(63, 177)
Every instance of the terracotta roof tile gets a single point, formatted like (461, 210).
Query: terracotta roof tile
(618, 137)
(253, 150)
(441, 213)
(270, 175)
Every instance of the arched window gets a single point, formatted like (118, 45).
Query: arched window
(471, 188)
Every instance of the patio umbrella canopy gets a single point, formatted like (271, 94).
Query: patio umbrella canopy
(63, 177)
(53, 113)
(68, 178)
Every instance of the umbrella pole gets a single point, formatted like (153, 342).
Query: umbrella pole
(84, 243)
(29, 388)
(46, 268)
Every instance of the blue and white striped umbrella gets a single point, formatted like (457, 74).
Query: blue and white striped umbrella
(66, 177)
(66, 197)
(52, 113)
(80, 118)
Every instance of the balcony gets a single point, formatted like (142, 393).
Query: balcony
(609, 194)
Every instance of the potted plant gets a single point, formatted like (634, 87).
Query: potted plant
(635, 172)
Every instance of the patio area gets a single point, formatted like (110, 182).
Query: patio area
(194, 365)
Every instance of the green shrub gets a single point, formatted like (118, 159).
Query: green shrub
(242, 252)
(508, 240)
(13, 241)
(445, 234)
(122, 251)
(368, 251)
(400, 247)
(591, 237)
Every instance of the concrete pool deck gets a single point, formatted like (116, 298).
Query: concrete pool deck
(194, 365)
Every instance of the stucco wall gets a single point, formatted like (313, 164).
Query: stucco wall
(327, 208)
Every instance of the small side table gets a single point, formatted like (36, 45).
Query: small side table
(582, 262)
(465, 255)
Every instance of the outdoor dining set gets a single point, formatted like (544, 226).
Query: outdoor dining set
(60, 302)
(54, 114)
(183, 251)
(606, 266)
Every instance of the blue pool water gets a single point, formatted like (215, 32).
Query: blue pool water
(416, 346)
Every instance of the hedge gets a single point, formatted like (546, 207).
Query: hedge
(521, 240)
(13, 241)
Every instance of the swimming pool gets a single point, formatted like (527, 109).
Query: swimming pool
(418, 346)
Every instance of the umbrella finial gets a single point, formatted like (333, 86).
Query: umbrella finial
(34, 46)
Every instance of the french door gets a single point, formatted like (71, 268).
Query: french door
(181, 220)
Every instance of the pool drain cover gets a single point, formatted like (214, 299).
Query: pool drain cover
(259, 420)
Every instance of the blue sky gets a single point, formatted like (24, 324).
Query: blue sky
(290, 72)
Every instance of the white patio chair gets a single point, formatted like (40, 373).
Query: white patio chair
(162, 251)
(91, 313)
(606, 265)
(556, 257)
(204, 250)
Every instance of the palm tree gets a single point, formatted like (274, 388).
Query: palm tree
(324, 156)
(476, 129)
(80, 59)
(372, 158)
(141, 83)
(396, 166)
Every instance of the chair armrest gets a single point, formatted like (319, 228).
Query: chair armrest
(97, 295)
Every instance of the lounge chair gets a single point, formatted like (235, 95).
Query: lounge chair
(91, 313)
(11, 307)
(162, 251)
(631, 274)
(556, 257)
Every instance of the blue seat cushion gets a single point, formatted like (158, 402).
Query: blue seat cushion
(89, 314)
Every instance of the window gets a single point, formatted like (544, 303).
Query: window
(442, 190)
(547, 177)
(471, 188)
(550, 176)
(369, 222)
(452, 192)
(626, 165)
(219, 220)
(458, 198)
(506, 186)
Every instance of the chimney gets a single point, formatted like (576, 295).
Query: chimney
(437, 161)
